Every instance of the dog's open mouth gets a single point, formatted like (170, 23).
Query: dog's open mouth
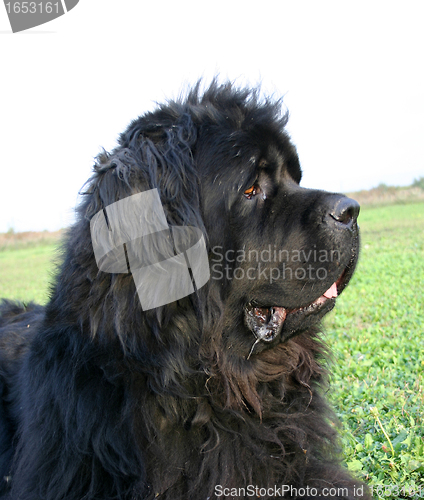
(267, 323)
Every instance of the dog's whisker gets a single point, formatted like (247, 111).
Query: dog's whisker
(252, 348)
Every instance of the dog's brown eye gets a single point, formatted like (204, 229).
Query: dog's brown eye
(252, 191)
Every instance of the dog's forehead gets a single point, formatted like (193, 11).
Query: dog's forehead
(279, 158)
(274, 157)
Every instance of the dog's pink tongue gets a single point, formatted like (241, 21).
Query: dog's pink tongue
(331, 292)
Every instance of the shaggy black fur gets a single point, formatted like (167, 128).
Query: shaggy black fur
(221, 389)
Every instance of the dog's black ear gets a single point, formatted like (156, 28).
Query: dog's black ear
(156, 151)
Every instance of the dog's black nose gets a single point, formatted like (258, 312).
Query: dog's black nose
(345, 211)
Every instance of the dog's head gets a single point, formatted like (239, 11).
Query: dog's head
(279, 254)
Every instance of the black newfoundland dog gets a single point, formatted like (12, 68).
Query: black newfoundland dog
(217, 394)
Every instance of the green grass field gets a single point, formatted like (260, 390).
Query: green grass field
(376, 333)
(25, 273)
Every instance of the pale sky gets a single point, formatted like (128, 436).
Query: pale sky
(352, 74)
